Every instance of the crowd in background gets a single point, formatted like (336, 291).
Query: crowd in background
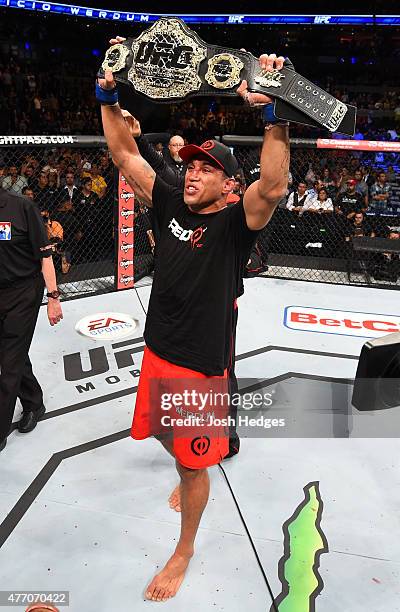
(46, 82)
(74, 191)
(46, 87)
(37, 100)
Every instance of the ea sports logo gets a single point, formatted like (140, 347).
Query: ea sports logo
(200, 445)
(107, 325)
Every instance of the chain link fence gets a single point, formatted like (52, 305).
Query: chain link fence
(324, 241)
(74, 183)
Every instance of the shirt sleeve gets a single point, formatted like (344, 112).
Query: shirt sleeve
(164, 198)
(374, 190)
(37, 233)
(289, 203)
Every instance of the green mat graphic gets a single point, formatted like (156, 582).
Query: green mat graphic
(304, 543)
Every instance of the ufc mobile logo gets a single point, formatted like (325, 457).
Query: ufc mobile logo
(342, 322)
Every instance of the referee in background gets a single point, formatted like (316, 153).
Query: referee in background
(26, 265)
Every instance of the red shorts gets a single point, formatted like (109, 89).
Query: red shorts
(163, 409)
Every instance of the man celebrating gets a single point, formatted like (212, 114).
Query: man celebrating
(202, 248)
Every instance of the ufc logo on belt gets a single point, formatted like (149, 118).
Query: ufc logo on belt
(164, 54)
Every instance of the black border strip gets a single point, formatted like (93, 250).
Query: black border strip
(287, 349)
(94, 401)
(253, 546)
(19, 510)
(130, 390)
(27, 498)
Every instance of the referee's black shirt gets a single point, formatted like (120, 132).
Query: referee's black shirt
(23, 239)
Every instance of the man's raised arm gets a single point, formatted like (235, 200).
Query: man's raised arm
(262, 196)
(123, 148)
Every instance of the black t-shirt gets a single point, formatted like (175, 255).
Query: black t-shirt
(200, 260)
(350, 203)
(43, 197)
(23, 239)
(364, 229)
(87, 210)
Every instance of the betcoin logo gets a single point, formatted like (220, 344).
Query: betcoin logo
(106, 326)
(341, 322)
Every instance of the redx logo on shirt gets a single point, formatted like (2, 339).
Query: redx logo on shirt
(193, 235)
(5, 230)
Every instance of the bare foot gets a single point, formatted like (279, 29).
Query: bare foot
(166, 584)
(175, 499)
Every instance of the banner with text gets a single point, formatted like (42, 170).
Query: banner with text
(124, 273)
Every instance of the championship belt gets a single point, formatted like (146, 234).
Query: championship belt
(168, 62)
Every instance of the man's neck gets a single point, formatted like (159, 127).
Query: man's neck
(211, 208)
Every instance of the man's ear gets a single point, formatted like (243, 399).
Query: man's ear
(228, 185)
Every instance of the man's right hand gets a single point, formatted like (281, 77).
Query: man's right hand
(116, 40)
(108, 81)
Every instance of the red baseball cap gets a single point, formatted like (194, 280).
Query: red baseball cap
(216, 151)
(352, 182)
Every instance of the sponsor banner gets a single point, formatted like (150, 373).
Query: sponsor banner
(124, 273)
(358, 145)
(113, 15)
(106, 326)
(37, 140)
(340, 322)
